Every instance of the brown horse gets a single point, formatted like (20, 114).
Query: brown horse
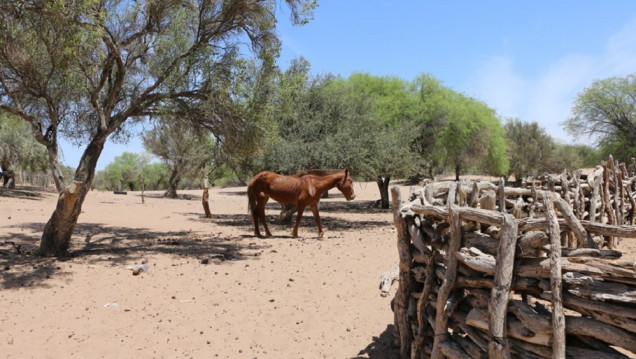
(301, 190)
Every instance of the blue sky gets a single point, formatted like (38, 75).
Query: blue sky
(525, 59)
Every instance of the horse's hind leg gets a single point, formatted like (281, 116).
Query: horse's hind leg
(314, 210)
(299, 216)
(261, 214)
(255, 216)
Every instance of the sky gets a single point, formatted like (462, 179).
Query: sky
(525, 59)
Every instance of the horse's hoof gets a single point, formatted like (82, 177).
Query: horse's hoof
(321, 235)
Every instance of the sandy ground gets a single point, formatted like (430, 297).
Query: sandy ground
(211, 290)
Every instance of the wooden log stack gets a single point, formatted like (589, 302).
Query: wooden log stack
(489, 271)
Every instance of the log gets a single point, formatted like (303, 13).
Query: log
(420, 337)
(477, 260)
(574, 224)
(387, 279)
(441, 319)
(483, 242)
(404, 290)
(558, 318)
(498, 305)
(478, 318)
(599, 330)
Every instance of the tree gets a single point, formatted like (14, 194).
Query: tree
(606, 112)
(184, 150)
(18, 150)
(529, 148)
(472, 136)
(122, 172)
(396, 106)
(86, 69)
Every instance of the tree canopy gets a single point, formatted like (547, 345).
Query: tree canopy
(606, 112)
(85, 69)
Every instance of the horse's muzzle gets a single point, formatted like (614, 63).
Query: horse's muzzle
(352, 197)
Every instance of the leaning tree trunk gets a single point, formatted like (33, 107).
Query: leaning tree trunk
(383, 185)
(173, 183)
(56, 237)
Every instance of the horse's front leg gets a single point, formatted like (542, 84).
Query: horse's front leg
(299, 216)
(314, 210)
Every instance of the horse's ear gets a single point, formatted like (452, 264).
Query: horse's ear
(346, 174)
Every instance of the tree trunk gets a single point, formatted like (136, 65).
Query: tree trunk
(56, 237)
(204, 200)
(58, 178)
(383, 186)
(8, 178)
(457, 171)
(173, 183)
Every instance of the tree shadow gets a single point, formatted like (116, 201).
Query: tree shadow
(25, 192)
(329, 222)
(382, 347)
(116, 246)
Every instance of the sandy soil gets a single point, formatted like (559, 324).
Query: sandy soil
(211, 290)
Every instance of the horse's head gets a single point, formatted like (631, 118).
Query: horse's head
(346, 186)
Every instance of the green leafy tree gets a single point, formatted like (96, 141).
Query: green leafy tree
(122, 173)
(396, 106)
(529, 148)
(88, 68)
(18, 150)
(606, 112)
(183, 149)
(472, 137)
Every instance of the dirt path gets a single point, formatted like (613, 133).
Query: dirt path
(211, 289)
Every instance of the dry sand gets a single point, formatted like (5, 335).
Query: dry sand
(211, 290)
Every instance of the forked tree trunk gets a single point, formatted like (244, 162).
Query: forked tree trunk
(56, 237)
(383, 186)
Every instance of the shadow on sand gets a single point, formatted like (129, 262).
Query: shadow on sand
(22, 267)
(382, 347)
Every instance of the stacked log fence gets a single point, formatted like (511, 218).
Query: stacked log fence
(493, 271)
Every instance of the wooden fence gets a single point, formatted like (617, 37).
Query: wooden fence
(479, 277)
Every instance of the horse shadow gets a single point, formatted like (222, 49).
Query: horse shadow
(381, 347)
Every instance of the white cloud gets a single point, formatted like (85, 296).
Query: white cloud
(547, 98)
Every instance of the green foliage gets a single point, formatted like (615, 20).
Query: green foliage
(121, 174)
(187, 152)
(606, 112)
(472, 136)
(126, 171)
(18, 149)
(529, 148)
(328, 122)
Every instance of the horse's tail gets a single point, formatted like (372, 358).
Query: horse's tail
(251, 198)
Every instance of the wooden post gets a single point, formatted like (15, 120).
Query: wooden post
(558, 319)
(441, 318)
(206, 196)
(403, 294)
(502, 195)
(498, 305)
